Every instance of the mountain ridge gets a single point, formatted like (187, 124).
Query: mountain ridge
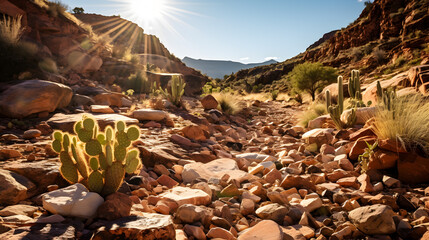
(220, 68)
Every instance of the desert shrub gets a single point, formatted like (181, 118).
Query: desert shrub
(312, 77)
(400, 61)
(367, 48)
(379, 55)
(48, 65)
(174, 95)
(78, 10)
(56, 8)
(139, 83)
(356, 54)
(228, 103)
(315, 110)
(274, 94)
(118, 51)
(406, 122)
(15, 55)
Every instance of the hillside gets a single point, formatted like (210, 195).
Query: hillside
(219, 68)
(389, 36)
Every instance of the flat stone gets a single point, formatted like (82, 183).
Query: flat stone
(32, 133)
(146, 226)
(189, 213)
(220, 233)
(100, 109)
(19, 209)
(266, 230)
(42, 232)
(213, 169)
(74, 201)
(311, 204)
(149, 115)
(65, 122)
(185, 195)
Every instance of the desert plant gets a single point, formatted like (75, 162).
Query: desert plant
(312, 77)
(406, 122)
(379, 55)
(228, 103)
(177, 90)
(97, 159)
(315, 110)
(48, 65)
(16, 56)
(78, 10)
(56, 8)
(274, 94)
(11, 29)
(335, 111)
(386, 98)
(364, 158)
(355, 91)
(139, 83)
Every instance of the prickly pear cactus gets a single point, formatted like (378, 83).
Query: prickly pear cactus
(97, 159)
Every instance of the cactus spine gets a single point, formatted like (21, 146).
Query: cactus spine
(177, 90)
(99, 160)
(335, 111)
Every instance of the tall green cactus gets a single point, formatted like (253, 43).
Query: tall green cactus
(99, 160)
(335, 111)
(386, 98)
(177, 90)
(355, 91)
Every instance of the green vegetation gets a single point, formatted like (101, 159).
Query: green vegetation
(355, 91)
(365, 157)
(228, 103)
(315, 110)
(379, 55)
(97, 159)
(176, 92)
(48, 65)
(336, 110)
(404, 119)
(139, 83)
(312, 77)
(274, 94)
(78, 10)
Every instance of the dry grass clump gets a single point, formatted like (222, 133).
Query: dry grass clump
(315, 110)
(407, 123)
(228, 103)
(11, 30)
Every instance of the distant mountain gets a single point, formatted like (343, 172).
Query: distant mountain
(219, 68)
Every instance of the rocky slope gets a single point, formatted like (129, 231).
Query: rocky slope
(388, 36)
(219, 68)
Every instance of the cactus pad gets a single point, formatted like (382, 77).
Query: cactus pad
(120, 153)
(93, 162)
(58, 136)
(66, 142)
(84, 135)
(56, 145)
(113, 178)
(109, 155)
(95, 182)
(69, 173)
(102, 161)
(133, 133)
(93, 148)
(109, 133)
(132, 165)
(122, 139)
(77, 126)
(101, 139)
(88, 123)
(120, 126)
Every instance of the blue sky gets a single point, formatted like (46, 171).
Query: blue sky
(238, 30)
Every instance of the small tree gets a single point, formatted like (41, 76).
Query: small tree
(312, 77)
(78, 10)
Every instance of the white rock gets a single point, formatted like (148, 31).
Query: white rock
(73, 201)
(311, 204)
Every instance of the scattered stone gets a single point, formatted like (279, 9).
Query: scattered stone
(189, 213)
(100, 109)
(32, 133)
(265, 229)
(273, 211)
(19, 209)
(149, 115)
(209, 102)
(374, 219)
(185, 195)
(74, 201)
(116, 205)
(14, 187)
(146, 226)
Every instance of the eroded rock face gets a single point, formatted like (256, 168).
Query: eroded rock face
(74, 201)
(147, 226)
(373, 220)
(34, 96)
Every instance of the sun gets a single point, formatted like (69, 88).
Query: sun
(148, 10)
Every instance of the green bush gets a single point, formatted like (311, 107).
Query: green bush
(312, 77)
